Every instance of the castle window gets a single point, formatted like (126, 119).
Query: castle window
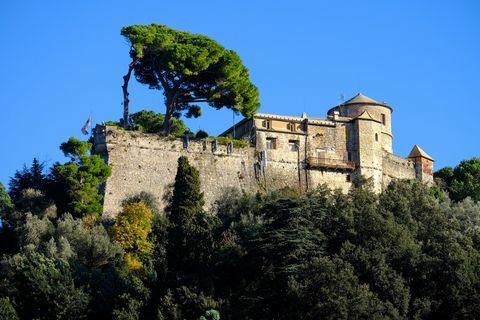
(271, 143)
(348, 178)
(376, 136)
(291, 126)
(384, 120)
(267, 124)
(293, 145)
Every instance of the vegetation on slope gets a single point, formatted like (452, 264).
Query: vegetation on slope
(408, 253)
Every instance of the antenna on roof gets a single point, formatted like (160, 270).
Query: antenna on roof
(342, 97)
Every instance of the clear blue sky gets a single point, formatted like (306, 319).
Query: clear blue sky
(62, 60)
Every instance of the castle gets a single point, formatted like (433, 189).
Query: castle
(284, 151)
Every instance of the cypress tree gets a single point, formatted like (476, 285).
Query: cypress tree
(190, 242)
(187, 199)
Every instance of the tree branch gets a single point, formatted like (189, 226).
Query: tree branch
(126, 100)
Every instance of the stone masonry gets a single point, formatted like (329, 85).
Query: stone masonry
(285, 151)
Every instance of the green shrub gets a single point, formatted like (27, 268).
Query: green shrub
(237, 143)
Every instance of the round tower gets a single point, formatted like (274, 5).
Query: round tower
(380, 111)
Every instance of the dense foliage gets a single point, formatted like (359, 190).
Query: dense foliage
(27, 178)
(131, 230)
(6, 204)
(407, 253)
(462, 181)
(190, 69)
(152, 122)
(75, 185)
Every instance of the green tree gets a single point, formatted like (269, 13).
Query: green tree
(27, 178)
(330, 289)
(190, 69)
(7, 311)
(187, 303)
(68, 239)
(462, 181)
(211, 315)
(440, 263)
(42, 288)
(75, 185)
(190, 242)
(33, 201)
(133, 300)
(75, 149)
(131, 231)
(446, 176)
(6, 204)
(151, 122)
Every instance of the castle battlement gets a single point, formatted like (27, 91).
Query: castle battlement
(284, 151)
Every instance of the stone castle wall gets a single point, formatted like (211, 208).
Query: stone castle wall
(148, 162)
(395, 167)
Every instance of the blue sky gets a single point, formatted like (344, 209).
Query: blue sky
(62, 60)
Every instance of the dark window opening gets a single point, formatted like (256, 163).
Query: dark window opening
(271, 143)
(348, 178)
(376, 136)
(293, 145)
(384, 121)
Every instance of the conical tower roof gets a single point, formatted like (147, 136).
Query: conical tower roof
(359, 99)
(418, 152)
(362, 99)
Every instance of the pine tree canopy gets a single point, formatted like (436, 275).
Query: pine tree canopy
(190, 69)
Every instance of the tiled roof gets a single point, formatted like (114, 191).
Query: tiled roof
(360, 98)
(418, 152)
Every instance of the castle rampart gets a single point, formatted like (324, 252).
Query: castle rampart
(148, 162)
(283, 151)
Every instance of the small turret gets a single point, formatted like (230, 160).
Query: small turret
(423, 164)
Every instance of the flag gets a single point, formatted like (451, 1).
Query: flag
(87, 124)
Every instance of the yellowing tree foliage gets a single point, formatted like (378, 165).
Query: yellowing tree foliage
(131, 231)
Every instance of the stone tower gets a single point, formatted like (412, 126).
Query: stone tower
(370, 137)
(423, 164)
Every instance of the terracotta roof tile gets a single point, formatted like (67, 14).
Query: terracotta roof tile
(418, 152)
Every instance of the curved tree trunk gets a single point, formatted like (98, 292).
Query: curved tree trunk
(126, 101)
(167, 121)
